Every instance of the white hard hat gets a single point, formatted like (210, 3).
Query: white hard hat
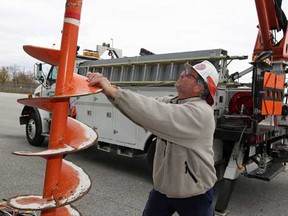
(209, 74)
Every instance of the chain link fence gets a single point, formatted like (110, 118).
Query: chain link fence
(18, 88)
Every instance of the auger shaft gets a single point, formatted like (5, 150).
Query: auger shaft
(60, 112)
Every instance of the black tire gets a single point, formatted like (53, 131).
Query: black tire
(150, 154)
(224, 191)
(34, 130)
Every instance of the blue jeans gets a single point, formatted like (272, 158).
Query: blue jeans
(160, 205)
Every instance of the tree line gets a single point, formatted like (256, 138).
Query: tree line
(14, 75)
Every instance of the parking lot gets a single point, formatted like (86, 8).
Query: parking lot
(119, 185)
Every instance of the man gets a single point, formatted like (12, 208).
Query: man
(183, 170)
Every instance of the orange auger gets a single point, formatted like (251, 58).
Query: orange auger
(64, 181)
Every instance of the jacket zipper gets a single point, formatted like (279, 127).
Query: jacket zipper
(189, 172)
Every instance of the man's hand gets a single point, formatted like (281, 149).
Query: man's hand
(99, 79)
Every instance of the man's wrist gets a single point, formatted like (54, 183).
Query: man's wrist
(112, 93)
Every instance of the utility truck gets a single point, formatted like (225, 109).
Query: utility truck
(251, 118)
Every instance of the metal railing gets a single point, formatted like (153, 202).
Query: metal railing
(18, 88)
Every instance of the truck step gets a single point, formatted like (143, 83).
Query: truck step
(273, 168)
(46, 135)
(124, 151)
(104, 147)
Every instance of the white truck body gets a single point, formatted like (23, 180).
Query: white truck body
(153, 76)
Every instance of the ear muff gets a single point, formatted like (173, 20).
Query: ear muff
(211, 86)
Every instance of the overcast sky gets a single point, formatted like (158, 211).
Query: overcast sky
(160, 26)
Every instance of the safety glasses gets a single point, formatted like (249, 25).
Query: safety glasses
(186, 73)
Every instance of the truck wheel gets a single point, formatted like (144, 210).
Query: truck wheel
(33, 130)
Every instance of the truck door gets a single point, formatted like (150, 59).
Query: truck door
(85, 109)
(112, 126)
(103, 118)
(125, 130)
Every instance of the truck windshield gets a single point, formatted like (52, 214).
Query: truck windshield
(52, 75)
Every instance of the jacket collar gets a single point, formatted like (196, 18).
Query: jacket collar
(175, 100)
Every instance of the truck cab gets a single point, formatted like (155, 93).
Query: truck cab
(37, 121)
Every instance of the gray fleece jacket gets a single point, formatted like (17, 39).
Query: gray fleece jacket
(183, 163)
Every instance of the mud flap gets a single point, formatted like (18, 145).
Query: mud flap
(224, 191)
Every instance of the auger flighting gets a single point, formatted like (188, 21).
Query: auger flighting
(64, 181)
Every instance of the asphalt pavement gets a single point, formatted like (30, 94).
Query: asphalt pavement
(120, 185)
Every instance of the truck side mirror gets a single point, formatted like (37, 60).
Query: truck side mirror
(38, 73)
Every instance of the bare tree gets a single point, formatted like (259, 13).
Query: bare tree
(4, 74)
(14, 70)
(24, 78)
(15, 75)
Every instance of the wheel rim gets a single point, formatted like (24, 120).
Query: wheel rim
(31, 129)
